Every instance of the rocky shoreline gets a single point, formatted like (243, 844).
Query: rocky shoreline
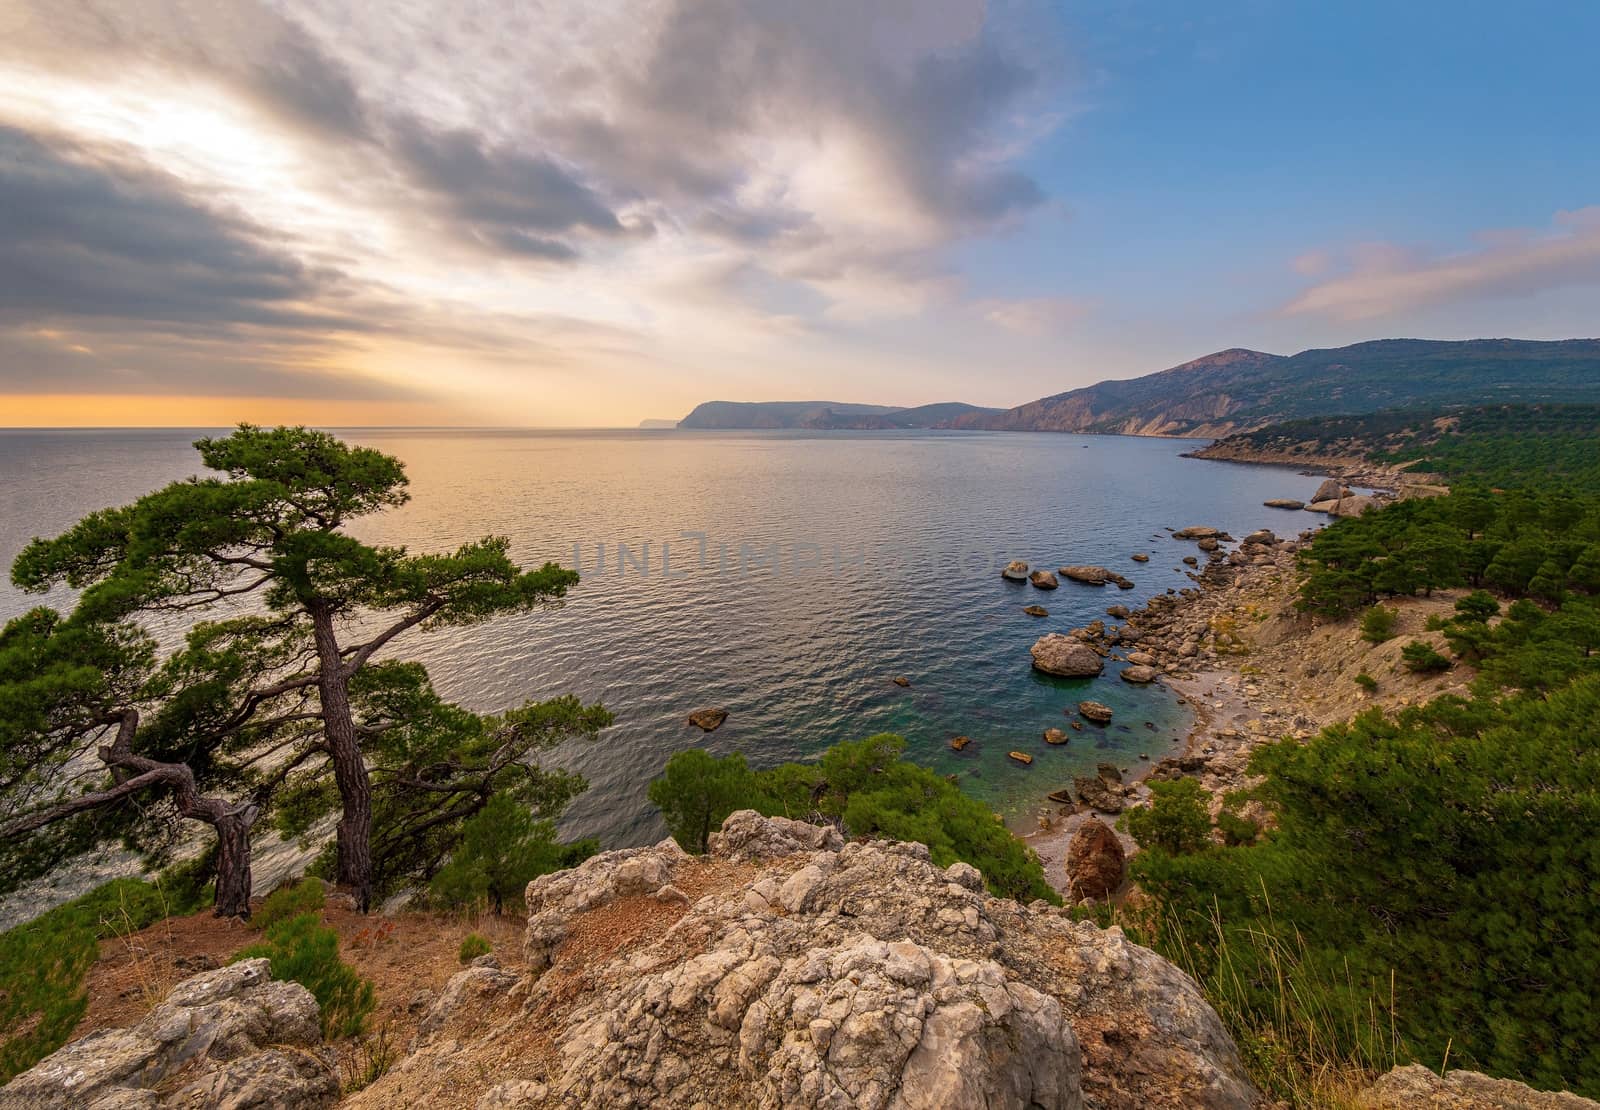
(1250, 668)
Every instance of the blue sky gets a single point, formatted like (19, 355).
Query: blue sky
(554, 214)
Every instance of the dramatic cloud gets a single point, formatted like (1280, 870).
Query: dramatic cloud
(688, 176)
(1381, 279)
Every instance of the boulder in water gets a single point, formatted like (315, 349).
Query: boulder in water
(1016, 570)
(1095, 711)
(1139, 674)
(1089, 576)
(708, 720)
(1043, 580)
(1066, 657)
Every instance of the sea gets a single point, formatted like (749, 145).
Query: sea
(787, 577)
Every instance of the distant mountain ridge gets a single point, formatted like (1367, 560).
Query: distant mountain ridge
(1241, 390)
(827, 415)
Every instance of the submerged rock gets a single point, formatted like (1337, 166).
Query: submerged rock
(1095, 711)
(1055, 736)
(1036, 610)
(708, 720)
(960, 743)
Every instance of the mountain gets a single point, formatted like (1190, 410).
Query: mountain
(657, 425)
(833, 415)
(1241, 390)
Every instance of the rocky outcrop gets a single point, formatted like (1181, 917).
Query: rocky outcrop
(1415, 1087)
(1353, 505)
(1329, 490)
(1096, 862)
(230, 1039)
(1066, 657)
(801, 971)
(708, 720)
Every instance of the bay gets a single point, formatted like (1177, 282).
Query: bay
(784, 576)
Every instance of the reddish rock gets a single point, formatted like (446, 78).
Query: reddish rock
(1096, 864)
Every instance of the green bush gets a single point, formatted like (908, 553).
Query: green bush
(866, 787)
(44, 962)
(291, 900)
(503, 849)
(1435, 877)
(1421, 657)
(1176, 821)
(305, 951)
(473, 946)
(696, 793)
(1378, 624)
(1366, 682)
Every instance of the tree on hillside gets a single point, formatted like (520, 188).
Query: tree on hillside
(268, 538)
(78, 738)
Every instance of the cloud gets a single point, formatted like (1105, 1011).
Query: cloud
(1382, 279)
(1036, 315)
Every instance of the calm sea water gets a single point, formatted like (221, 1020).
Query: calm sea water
(784, 576)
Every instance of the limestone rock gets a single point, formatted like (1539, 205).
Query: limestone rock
(1091, 576)
(1055, 736)
(228, 1038)
(1284, 503)
(1016, 570)
(1066, 657)
(1353, 506)
(1098, 794)
(1043, 580)
(1196, 532)
(1139, 674)
(1096, 863)
(1329, 490)
(1036, 610)
(1415, 1087)
(1095, 711)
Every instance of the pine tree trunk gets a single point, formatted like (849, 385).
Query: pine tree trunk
(233, 862)
(349, 768)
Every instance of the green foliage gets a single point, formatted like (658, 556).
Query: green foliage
(1479, 606)
(1452, 851)
(503, 848)
(43, 964)
(1423, 658)
(290, 900)
(696, 793)
(472, 946)
(867, 788)
(1378, 624)
(1366, 682)
(1177, 820)
(1526, 542)
(305, 951)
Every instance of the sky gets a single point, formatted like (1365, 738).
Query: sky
(587, 213)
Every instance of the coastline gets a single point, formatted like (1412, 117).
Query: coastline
(1252, 670)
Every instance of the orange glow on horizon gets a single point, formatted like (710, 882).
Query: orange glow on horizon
(68, 410)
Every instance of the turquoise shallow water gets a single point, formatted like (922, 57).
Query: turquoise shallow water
(784, 576)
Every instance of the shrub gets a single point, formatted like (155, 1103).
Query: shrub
(503, 849)
(1366, 682)
(868, 789)
(698, 791)
(1478, 606)
(1378, 624)
(305, 951)
(44, 962)
(1421, 657)
(473, 946)
(291, 900)
(1176, 821)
